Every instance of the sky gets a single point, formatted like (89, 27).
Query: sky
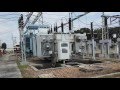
(9, 22)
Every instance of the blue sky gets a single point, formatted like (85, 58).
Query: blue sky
(9, 22)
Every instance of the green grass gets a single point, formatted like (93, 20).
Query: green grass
(22, 69)
(112, 76)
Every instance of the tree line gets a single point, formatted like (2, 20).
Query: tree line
(98, 33)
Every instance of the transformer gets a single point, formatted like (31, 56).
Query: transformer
(44, 45)
(34, 45)
(62, 50)
(80, 43)
(29, 41)
(68, 44)
(56, 47)
(90, 47)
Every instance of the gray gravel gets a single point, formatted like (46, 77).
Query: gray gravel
(9, 68)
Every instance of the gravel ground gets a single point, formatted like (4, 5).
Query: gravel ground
(8, 67)
(86, 71)
(77, 72)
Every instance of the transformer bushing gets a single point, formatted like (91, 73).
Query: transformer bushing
(90, 47)
(106, 48)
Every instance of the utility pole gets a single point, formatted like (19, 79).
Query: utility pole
(93, 44)
(102, 34)
(102, 24)
(21, 27)
(22, 41)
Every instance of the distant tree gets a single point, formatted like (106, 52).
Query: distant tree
(4, 46)
(83, 30)
(98, 33)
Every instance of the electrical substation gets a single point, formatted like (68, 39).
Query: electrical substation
(66, 47)
(50, 48)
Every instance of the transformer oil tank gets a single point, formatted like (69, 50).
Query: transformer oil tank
(63, 46)
(44, 45)
(80, 43)
(38, 46)
(63, 50)
(34, 46)
(27, 43)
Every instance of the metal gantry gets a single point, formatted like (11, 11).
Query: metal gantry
(21, 31)
(28, 18)
(37, 17)
(106, 42)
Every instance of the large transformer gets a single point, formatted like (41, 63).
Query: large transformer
(44, 45)
(58, 46)
(68, 44)
(80, 45)
(30, 44)
(62, 46)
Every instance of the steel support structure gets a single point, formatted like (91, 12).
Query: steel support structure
(105, 34)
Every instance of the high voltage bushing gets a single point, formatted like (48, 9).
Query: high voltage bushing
(20, 21)
(48, 31)
(21, 24)
(51, 29)
(69, 23)
(92, 32)
(106, 27)
(56, 28)
(62, 27)
(105, 21)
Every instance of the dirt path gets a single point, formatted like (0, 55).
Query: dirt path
(8, 67)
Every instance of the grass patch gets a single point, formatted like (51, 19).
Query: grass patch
(23, 70)
(112, 76)
(26, 71)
